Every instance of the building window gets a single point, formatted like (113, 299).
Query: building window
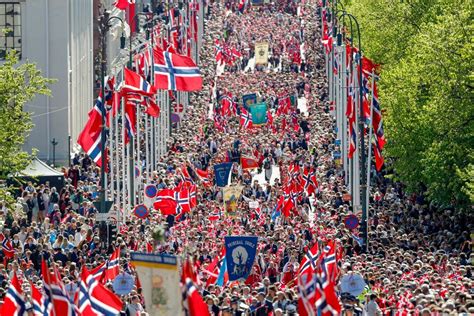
(10, 28)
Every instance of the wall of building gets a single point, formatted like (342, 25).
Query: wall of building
(57, 36)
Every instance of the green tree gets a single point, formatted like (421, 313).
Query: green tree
(19, 84)
(426, 52)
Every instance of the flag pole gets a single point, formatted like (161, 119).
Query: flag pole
(369, 154)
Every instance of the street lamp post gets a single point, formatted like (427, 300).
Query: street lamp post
(363, 158)
(103, 29)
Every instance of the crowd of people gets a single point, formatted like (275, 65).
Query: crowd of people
(419, 258)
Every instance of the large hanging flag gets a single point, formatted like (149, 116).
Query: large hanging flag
(175, 72)
(95, 298)
(222, 173)
(14, 302)
(240, 256)
(134, 83)
(90, 139)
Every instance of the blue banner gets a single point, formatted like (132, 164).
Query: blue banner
(222, 173)
(259, 113)
(240, 256)
(249, 99)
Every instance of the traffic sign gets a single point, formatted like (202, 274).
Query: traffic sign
(108, 205)
(151, 191)
(141, 211)
(351, 221)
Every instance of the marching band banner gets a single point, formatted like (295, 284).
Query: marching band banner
(222, 173)
(261, 53)
(159, 277)
(249, 99)
(259, 114)
(231, 197)
(240, 256)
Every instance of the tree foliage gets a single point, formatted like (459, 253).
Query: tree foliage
(19, 83)
(426, 51)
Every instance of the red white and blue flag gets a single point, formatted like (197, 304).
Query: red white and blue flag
(245, 118)
(113, 266)
(95, 298)
(134, 83)
(14, 302)
(90, 138)
(175, 72)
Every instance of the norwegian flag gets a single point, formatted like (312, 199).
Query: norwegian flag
(152, 108)
(310, 181)
(98, 271)
(214, 269)
(329, 263)
(41, 306)
(112, 267)
(185, 176)
(310, 260)
(192, 299)
(95, 299)
(56, 293)
(175, 72)
(183, 201)
(307, 293)
(245, 118)
(134, 83)
(377, 120)
(7, 248)
(228, 107)
(166, 202)
(14, 302)
(203, 175)
(130, 126)
(215, 215)
(90, 137)
(218, 52)
(379, 161)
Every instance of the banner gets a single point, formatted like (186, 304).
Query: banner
(231, 196)
(159, 277)
(259, 114)
(248, 163)
(240, 256)
(261, 53)
(249, 99)
(222, 173)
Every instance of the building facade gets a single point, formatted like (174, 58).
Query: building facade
(56, 35)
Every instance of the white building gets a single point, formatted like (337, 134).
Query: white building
(57, 35)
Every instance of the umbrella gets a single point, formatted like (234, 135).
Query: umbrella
(353, 284)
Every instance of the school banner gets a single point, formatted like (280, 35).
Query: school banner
(249, 99)
(240, 256)
(261, 53)
(259, 114)
(231, 196)
(159, 277)
(222, 173)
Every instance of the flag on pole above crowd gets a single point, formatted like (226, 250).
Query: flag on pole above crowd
(240, 256)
